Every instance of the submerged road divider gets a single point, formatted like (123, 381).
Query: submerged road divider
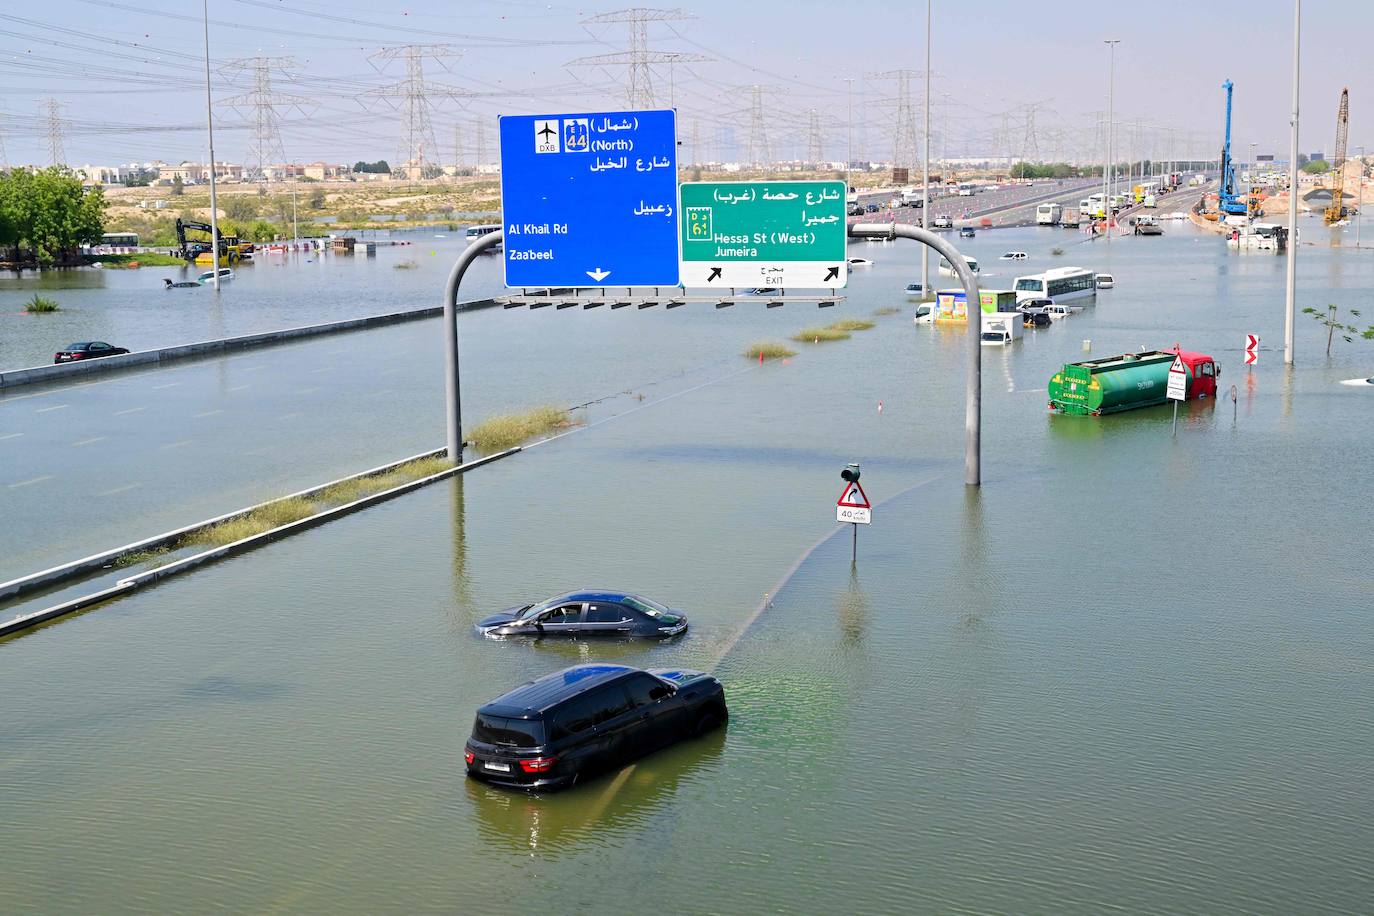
(210, 348)
(130, 583)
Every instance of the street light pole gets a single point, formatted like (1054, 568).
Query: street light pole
(1359, 198)
(1292, 196)
(1111, 114)
(849, 138)
(925, 172)
(210, 128)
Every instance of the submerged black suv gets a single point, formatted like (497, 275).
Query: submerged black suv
(573, 724)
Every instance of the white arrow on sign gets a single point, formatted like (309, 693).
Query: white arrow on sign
(598, 275)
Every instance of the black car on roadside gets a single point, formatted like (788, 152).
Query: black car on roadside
(86, 349)
(579, 614)
(585, 720)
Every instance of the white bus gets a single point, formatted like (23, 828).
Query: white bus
(476, 232)
(1059, 284)
(1048, 214)
(947, 270)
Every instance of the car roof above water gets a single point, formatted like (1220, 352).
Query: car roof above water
(532, 698)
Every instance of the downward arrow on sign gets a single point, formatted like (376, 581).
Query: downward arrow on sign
(598, 275)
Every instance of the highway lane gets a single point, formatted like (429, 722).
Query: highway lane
(102, 463)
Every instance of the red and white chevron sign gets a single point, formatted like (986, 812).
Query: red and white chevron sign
(1251, 349)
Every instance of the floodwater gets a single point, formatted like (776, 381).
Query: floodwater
(133, 308)
(1131, 673)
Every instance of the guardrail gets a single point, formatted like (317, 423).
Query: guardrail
(129, 584)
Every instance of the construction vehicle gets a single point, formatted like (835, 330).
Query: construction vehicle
(1228, 202)
(1336, 212)
(230, 250)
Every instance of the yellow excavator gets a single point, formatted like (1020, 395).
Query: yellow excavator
(1336, 212)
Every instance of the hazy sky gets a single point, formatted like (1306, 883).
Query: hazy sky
(129, 73)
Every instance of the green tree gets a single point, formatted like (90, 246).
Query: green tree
(178, 186)
(238, 207)
(262, 231)
(49, 213)
(1317, 167)
(1331, 320)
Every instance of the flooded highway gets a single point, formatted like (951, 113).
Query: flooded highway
(1123, 663)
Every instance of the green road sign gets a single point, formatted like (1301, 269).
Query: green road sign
(763, 233)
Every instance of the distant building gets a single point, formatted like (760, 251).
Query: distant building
(322, 171)
(198, 173)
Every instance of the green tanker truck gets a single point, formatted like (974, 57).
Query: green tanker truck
(1097, 386)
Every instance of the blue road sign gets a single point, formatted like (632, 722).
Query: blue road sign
(590, 199)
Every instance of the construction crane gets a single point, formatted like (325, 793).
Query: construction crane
(1336, 211)
(1228, 202)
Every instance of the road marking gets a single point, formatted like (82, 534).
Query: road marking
(257, 451)
(253, 368)
(46, 409)
(120, 413)
(177, 444)
(25, 483)
(89, 441)
(288, 416)
(322, 369)
(124, 489)
(168, 385)
(10, 436)
(240, 387)
(209, 413)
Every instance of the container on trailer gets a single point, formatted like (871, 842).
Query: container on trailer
(1097, 386)
(952, 304)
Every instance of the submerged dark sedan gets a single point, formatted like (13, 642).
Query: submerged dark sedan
(86, 349)
(587, 614)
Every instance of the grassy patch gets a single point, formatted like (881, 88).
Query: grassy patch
(40, 304)
(265, 518)
(769, 349)
(142, 259)
(405, 265)
(140, 557)
(816, 335)
(506, 430)
(886, 310)
(1056, 251)
(851, 324)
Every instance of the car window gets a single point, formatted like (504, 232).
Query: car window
(645, 689)
(612, 702)
(575, 716)
(97, 345)
(601, 612)
(508, 732)
(1206, 368)
(567, 613)
(652, 608)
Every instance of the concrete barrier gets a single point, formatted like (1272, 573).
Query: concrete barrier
(209, 348)
(125, 586)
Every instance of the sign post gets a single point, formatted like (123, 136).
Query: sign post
(764, 234)
(1178, 387)
(590, 199)
(853, 506)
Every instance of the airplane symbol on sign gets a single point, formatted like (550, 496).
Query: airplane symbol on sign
(548, 131)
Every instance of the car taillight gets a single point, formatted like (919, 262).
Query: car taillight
(538, 764)
(469, 757)
(76, 355)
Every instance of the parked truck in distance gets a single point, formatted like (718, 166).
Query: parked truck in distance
(1048, 214)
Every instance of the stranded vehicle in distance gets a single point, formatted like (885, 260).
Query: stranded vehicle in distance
(588, 719)
(587, 613)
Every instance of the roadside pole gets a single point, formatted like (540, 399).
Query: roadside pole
(925, 173)
(973, 369)
(1292, 196)
(452, 401)
(210, 128)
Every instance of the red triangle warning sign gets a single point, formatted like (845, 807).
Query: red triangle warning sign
(853, 497)
(1178, 366)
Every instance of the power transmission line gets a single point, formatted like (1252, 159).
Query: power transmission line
(57, 152)
(414, 96)
(904, 126)
(814, 147)
(266, 106)
(637, 59)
